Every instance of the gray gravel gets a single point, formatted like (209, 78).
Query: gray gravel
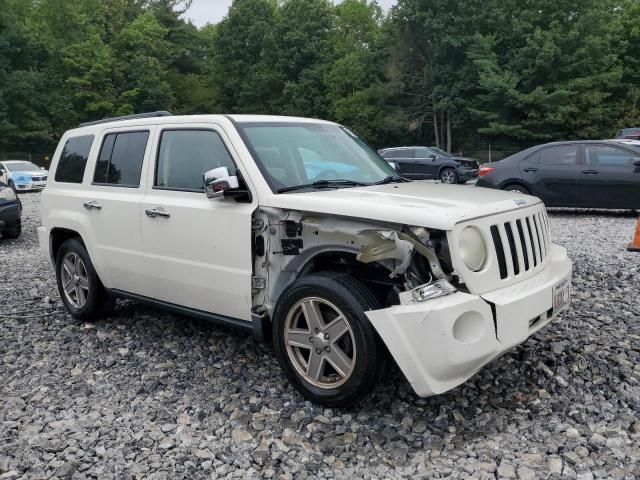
(146, 394)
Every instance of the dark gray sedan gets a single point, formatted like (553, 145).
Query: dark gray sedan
(424, 163)
(586, 174)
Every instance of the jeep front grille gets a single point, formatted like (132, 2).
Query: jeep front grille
(521, 244)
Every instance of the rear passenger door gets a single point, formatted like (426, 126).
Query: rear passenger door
(112, 207)
(553, 173)
(403, 158)
(197, 250)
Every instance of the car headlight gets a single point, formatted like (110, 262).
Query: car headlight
(7, 194)
(473, 249)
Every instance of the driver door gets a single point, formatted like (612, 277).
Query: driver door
(197, 251)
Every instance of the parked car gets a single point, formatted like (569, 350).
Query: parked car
(23, 175)
(246, 221)
(422, 163)
(588, 174)
(628, 141)
(632, 133)
(10, 212)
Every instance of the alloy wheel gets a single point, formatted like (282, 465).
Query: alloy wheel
(75, 280)
(448, 176)
(320, 343)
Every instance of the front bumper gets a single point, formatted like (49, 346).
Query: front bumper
(441, 343)
(465, 174)
(30, 186)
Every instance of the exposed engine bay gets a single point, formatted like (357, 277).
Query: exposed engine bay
(387, 258)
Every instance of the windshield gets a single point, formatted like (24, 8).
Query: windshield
(440, 153)
(21, 166)
(297, 154)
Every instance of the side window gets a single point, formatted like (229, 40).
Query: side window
(561, 155)
(423, 153)
(391, 154)
(609, 156)
(73, 159)
(120, 160)
(533, 158)
(184, 156)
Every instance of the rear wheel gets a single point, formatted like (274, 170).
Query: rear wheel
(80, 288)
(448, 175)
(323, 340)
(517, 189)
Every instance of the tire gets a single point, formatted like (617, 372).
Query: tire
(13, 232)
(87, 298)
(448, 176)
(517, 189)
(328, 294)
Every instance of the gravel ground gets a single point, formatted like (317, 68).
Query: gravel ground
(146, 394)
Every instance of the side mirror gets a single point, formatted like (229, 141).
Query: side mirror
(218, 181)
(432, 157)
(42, 168)
(637, 162)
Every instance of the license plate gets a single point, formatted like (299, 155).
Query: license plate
(561, 295)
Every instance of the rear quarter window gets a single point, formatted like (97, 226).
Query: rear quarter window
(73, 159)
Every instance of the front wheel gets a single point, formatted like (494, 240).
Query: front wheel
(448, 175)
(517, 189)
(324, 342)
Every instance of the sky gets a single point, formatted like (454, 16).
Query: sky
(212, 11)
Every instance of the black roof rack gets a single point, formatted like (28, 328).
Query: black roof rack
(128, 117)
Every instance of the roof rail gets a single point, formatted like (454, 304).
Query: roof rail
(161, 113)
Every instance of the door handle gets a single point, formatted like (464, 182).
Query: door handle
(530, 169)
(590, 172)
(91, 205)
(157, 212)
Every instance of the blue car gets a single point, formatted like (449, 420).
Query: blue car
(22, 175)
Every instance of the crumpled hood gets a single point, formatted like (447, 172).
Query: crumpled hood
(424, 204)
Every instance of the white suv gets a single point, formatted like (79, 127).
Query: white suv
(296, 230)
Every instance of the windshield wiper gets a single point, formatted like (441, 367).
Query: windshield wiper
(390, 179)
(324, 184)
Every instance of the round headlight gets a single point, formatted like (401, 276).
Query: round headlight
(7, 193)
(473, 249)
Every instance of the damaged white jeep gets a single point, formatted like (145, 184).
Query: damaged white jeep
(296, 230)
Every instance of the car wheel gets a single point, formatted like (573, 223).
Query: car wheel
(13, 232)
(448, 175)
(324, 342)
(517, 189)
(81, 290)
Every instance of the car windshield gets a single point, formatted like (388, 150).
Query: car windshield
(440, 153)
(21, 167)
(297, 155)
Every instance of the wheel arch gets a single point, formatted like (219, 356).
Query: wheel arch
(58, 236)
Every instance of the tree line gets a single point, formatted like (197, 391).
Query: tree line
(444, 72)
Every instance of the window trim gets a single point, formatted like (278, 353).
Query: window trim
(116, 133)
(187, 129)
(86, 162)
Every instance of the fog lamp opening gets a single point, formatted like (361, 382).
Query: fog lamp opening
(469, 327)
